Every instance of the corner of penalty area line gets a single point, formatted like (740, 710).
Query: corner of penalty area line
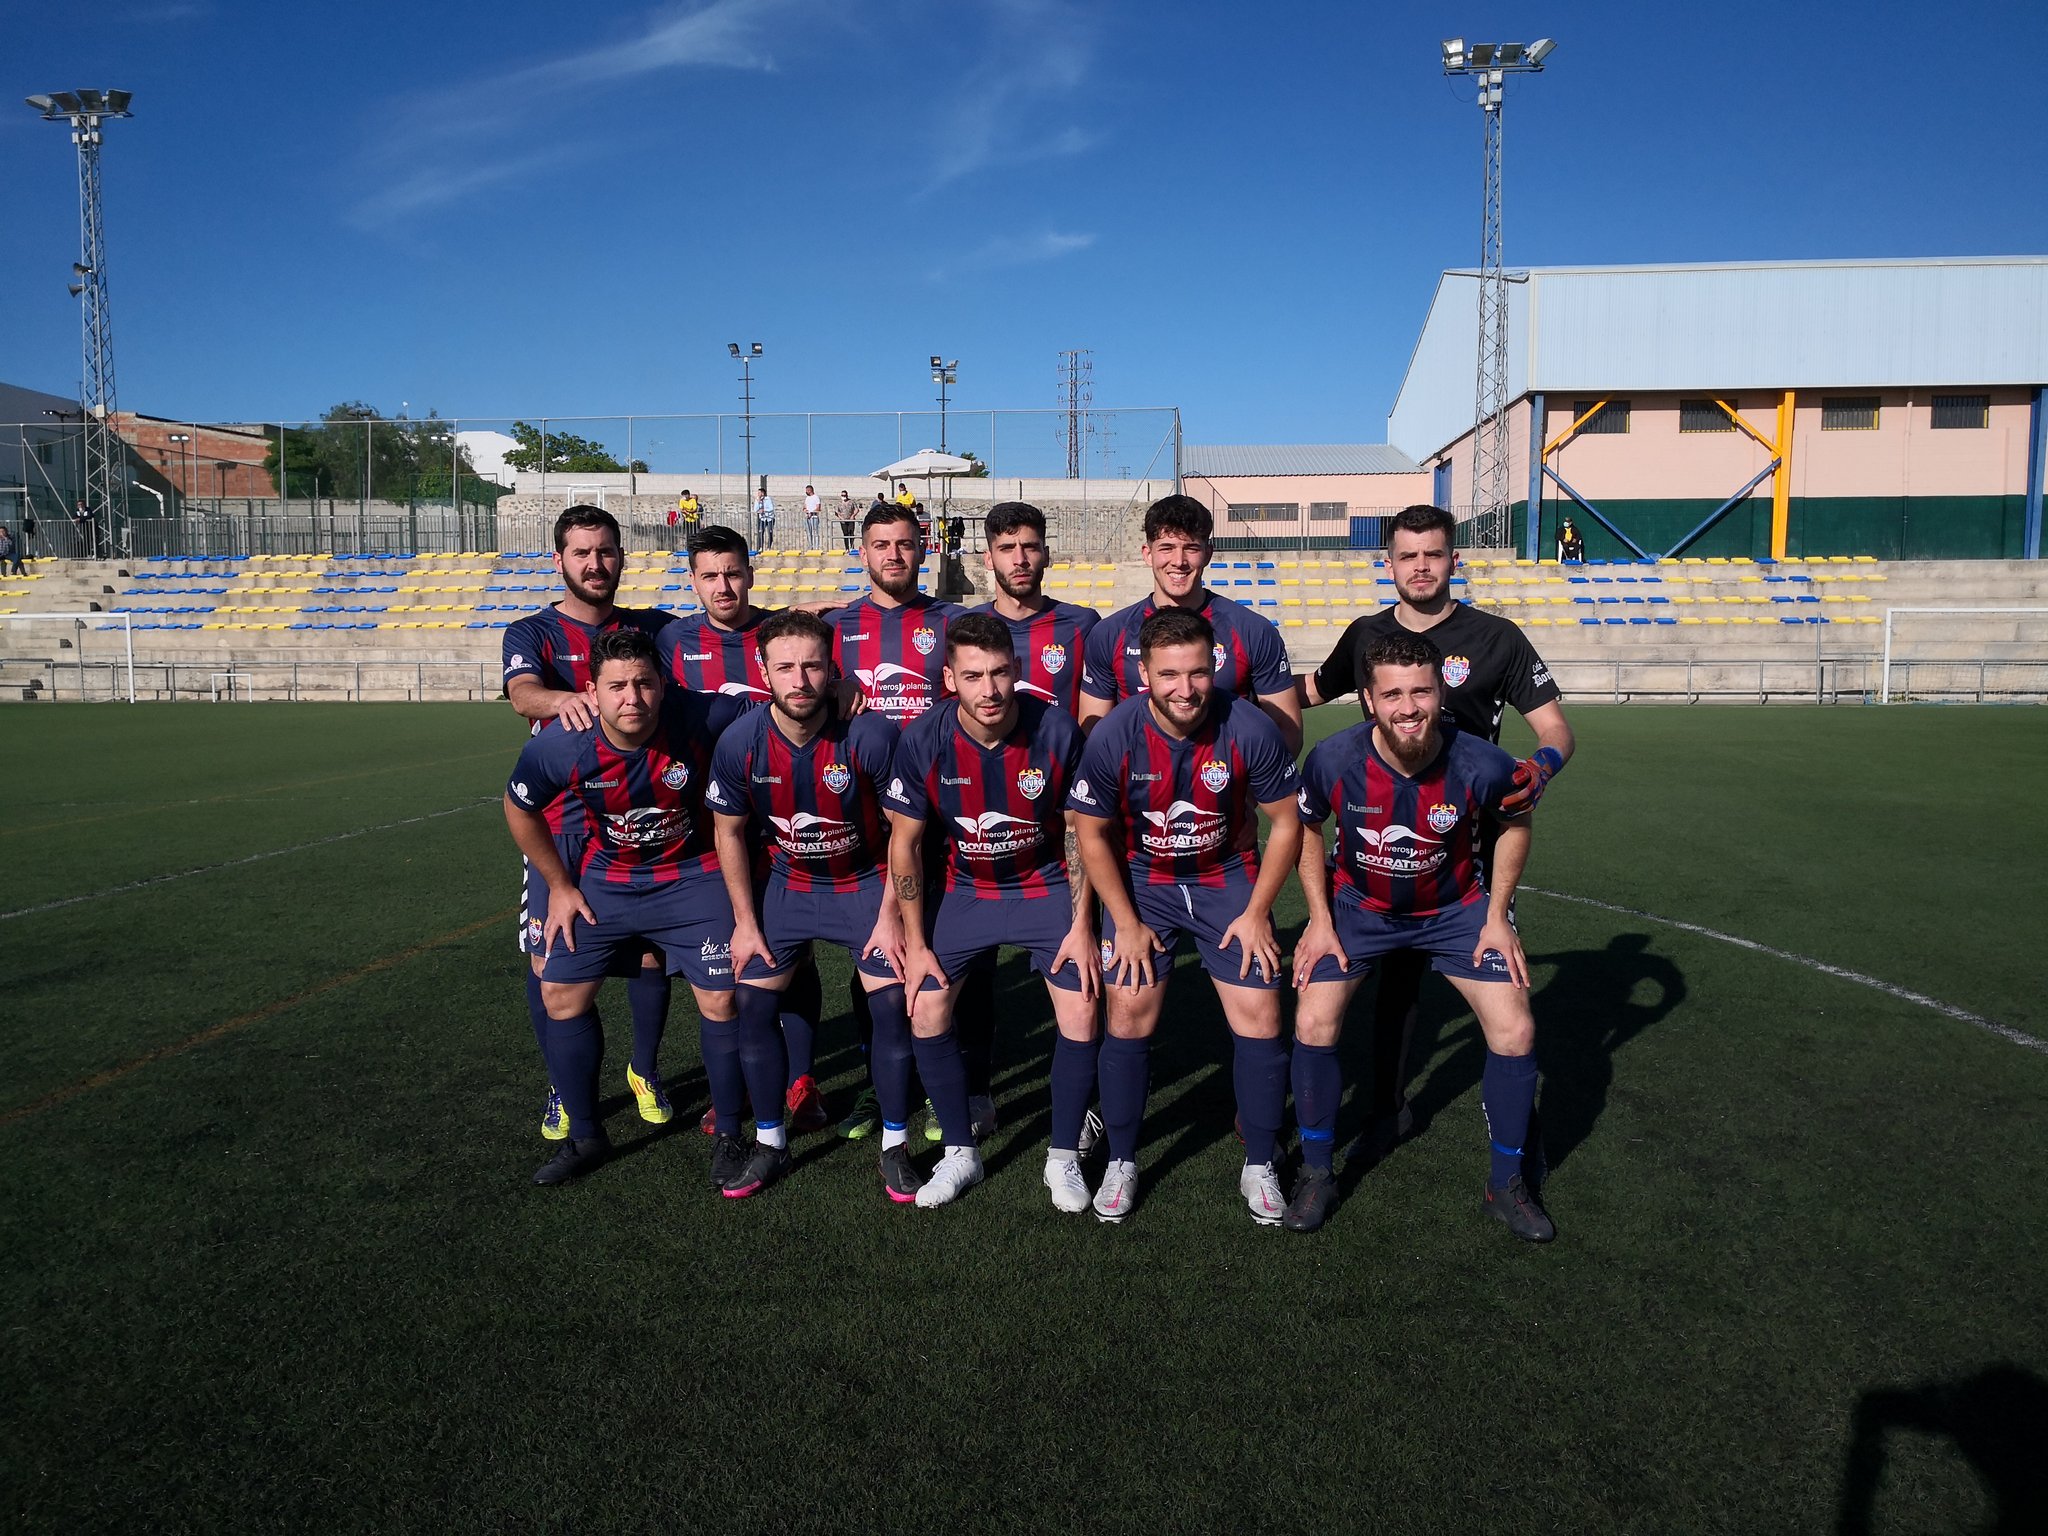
(216, 1032)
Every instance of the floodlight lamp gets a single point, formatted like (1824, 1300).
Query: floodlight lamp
(1454, 53)
(66, 102)
(81, 269)
(1540, 50)
(91, 101)
(117, 101)
(40, 103)
(935, 361)
(755, 348)
(76, 289)
(733, 347)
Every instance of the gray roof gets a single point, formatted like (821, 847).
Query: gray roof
(1210, 460)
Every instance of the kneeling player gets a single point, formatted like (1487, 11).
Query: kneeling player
(649, 874)
(1168, 794)
(994, 767)
(1408, 793)
(807, 782)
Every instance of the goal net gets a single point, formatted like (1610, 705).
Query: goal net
(1965, 655)
(72, 655)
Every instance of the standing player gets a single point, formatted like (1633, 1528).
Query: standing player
(548, 676)
(1167, 796)
(994, 768)
(1051, 637)
(715, 652)
(1410, 795)
(647, 873)
(1488, 664)
(806, 780)
(1251, 658)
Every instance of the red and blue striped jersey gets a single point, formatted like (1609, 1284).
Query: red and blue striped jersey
(644, 808)
(1185, 806)
(1003, 807)
(817, 806)
(1405, 847)
(1251, 658)
(899, 654)
(554, 648)
(701, 656)
(1050, 648)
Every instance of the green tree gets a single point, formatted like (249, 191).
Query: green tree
(563, 453)
(404, 459)
(980, 470)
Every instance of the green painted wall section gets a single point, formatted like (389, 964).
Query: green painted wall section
(1889, 527)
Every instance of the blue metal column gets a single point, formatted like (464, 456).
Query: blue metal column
(1533, 516)
(2037, 470)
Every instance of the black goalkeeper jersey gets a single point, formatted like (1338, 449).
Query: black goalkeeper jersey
(1488, 664)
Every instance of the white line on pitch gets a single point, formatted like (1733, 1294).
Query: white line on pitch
(254, 858)
(2003, 1031)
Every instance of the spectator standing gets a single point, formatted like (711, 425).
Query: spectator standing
(10, 555)
(812, 506)
(87, 528)
(689, 515)
(848, 515)
(764, 519)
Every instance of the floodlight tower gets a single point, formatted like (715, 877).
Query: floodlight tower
(746, 361)
(1490, 64)
(945, 375)
(85, 110)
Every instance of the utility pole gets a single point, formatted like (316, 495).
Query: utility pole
(1490, 64)
(85, 110)
(1077, 393)
(746, 361)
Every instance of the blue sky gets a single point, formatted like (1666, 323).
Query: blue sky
(531, 208)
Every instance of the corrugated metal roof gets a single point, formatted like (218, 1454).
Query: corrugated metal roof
(1733, 326)
(1211, 460)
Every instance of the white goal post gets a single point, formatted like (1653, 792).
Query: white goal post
(81, 622)
(2017, 675)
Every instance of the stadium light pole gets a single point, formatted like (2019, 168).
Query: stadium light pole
(746, 361)
(1490, 64)
(85, 111)
(945, 375)
(184, 487)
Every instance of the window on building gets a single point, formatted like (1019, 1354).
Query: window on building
(1328, 511)
(1961, 412)
(1848, 413)
(1265, 511)
(1613, 415)
(1705, 416)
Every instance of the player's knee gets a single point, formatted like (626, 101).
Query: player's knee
(718, 1007)
(566, 999)
(1318, 1022)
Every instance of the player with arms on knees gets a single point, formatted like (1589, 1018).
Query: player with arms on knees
(1167, 798)
(715, 652)
(1488, 665)
(549, 676)
(647, 874)
(1250, 656)
(993, 768)
(807, 781)
(1409, 794)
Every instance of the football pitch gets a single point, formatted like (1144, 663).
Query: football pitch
(274, 1261)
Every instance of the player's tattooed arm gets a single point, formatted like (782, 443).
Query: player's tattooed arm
(1077, 876)
(907, 888)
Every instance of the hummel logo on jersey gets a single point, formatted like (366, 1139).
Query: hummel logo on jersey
(963, 779)
(676, 775)
(696, 655)
(837, 776)
(600, 783)
(861, 636)
(765, 778)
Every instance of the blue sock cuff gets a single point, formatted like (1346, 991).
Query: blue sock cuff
(1503, 1151)
(767, 1125)
(1309, 1135)
(895, 1125)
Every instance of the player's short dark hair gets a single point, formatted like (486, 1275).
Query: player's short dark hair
(1423, 518)
(719, 540)
(623, 644)
(1178, 514)
(1400, 649)
(584, 515)
(983, 631)
(1008, 516)
(797, 622)
(886, 512)
(1174, 626)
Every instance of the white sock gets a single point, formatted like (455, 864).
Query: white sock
(893, 1138)
(771, 1136)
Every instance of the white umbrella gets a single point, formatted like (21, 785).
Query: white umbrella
(926, 464)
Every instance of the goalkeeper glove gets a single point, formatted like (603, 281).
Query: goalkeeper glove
(1531, 775)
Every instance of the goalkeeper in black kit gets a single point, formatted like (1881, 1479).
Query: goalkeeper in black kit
(1488, 665)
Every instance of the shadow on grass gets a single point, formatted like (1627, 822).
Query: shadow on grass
(1997, 1421)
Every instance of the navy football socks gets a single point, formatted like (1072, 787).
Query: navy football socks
(944, 1071)
(763, 1064)
(889, 1061)
(1259, 1071)
(719, 1042)
(648, 994)
(1318, 1089)
(575, 1052)
(1508, 1095)
(1123, 1069)
(974, 1018)
(536, 1012)
(1073, 1084)
(801, 1003)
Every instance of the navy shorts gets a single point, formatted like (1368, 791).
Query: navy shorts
(533, 910)
(689, 921)
(969, 926)
(792, 919)
(1447, 938)
(1198, 912)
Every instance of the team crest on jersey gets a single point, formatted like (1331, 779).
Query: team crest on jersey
(1031, 783)
(1215, 775)
(924, 637)
(1456, 670)
(1053, 658)
(536, 931)
(1221, 656)
(1108, 954)
(837, 777)
(676, 775)
(1442, 818)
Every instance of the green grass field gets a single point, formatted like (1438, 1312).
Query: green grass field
(274, 1262)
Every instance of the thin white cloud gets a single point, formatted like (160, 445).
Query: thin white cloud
(1016, 251)
(1005, 109)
